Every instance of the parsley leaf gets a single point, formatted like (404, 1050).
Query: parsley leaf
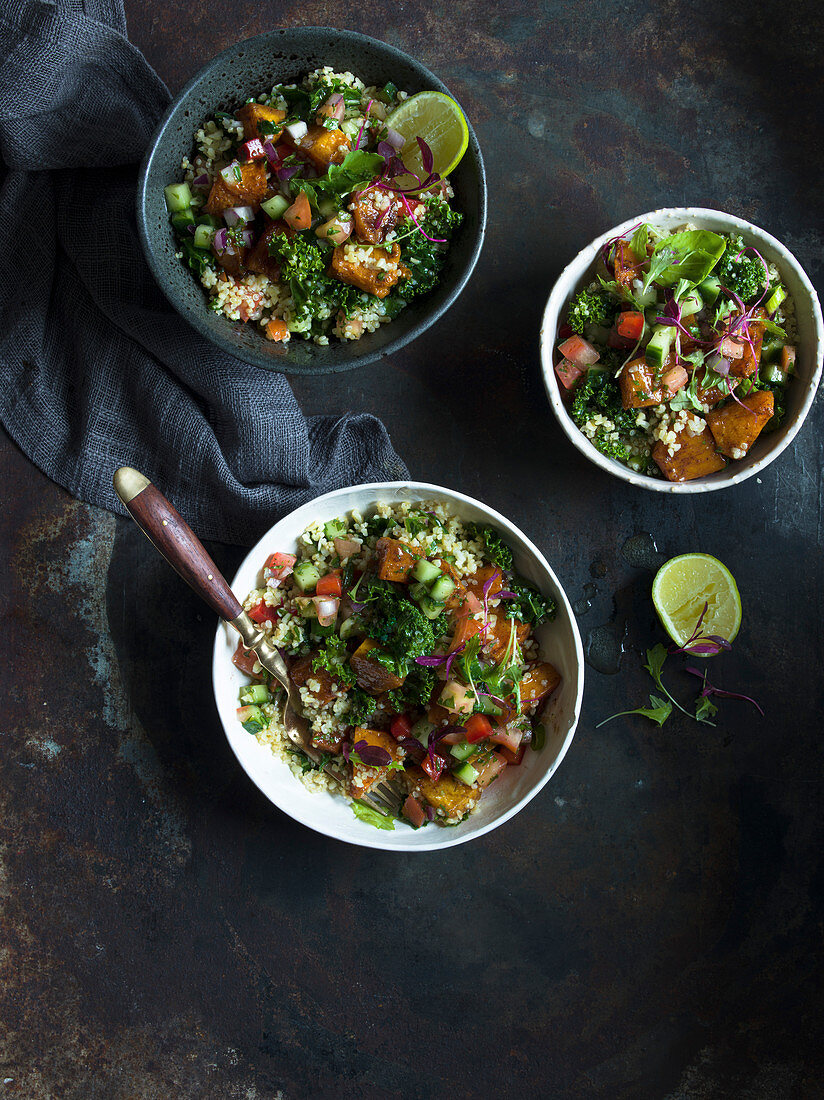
(658, 711)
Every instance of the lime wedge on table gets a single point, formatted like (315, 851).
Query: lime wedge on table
(681, 588)
(437, 119)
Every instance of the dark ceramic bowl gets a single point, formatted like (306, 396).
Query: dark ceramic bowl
(251, 68)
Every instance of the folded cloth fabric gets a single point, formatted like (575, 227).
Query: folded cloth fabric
(97, 370)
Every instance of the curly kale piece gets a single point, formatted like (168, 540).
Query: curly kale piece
(361, 706)
(742, 274)
(303, 262)
(397, 625)
(530, 606)
(424, 258)
(597, 395)
(415, 691)
(497, 550)
(779, 392)
(591, 307)
(333, 657)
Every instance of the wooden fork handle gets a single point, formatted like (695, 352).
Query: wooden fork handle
(175, 540)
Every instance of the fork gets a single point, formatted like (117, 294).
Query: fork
(176, 541)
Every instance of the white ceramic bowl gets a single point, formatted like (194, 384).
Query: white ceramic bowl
(331, 814)
(810, 345)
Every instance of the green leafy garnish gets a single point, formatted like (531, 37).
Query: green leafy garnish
(333, 656)
(372, 817)
(638, 241)
(658, 711)
(361, 706)
(424, 258)
(496, 549)
(690, 256)
(530, 606)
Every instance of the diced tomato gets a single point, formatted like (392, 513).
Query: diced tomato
(569, 372)
(400, 727)
(630, 324)
(579, 351)
(299, 214)
(510, 738)
(564, 332)
(252, 149)
(280, 564)
(433, 770)
(731, 348)
(246, 660)
(512, 757)
(614, 340)
(477, 727)
(413, 812)
(488, 771)
(262, 612)
(788, 359)
(329, 586)
(674, 379)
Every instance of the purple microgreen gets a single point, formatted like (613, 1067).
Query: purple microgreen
(436, 735)
(708, 689)
(430, 812)
(434, 240)
(373, 756)
(505, 594)
(427, 158)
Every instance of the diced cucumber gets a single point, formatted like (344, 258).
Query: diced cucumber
(178, 197)
(710, 289)
(775, 299)
(182, 220)
(771, 347)
(421, 730)
(431, 608)
(204, 235)
(321, 631)
(275, 207)
(418, 592)
(305, 576)
(251, 718)
(425, 571)
(254, 693)
(350, 627)
(771, 372)
(645, 298)
(466, 773)
(659, 345)
(334, 529)
(692, 303)
(463, 750)
(442, 589)
(305, 607)
(486, 706)
(211, 220)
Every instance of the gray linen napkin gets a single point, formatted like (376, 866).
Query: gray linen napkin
(97, 370)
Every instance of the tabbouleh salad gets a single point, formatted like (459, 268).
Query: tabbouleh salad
(410, 638)
(679, 354)
(298, 214)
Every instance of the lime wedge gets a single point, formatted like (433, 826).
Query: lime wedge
(681, 588)
(437, 119)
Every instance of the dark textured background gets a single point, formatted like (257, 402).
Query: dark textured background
(650, 926)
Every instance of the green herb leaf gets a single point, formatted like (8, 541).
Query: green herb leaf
(658, 711)
(372, 817)
(496, 549)
(538, 737)
(704, 708)
(638, 241)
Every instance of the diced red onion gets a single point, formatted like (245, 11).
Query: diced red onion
(235, 214)
(345, 548)
(297, 130)
(201, 182)
(396, 140)
(334, 107)
(327, 609)
(228, 176)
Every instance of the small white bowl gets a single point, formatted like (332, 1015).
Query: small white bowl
(810, 346)
(330, 814)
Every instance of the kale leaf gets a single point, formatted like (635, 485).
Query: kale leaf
(333, 657)
(497, 550)
(424, 258)
(415, 691)
(530, 606)
(398, 625)
(743, 275)
(303, 263)
(361, 705)
(591, 307)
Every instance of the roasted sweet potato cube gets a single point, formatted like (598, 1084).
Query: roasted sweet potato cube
(448, 796)
(330, 742)
(259, 259)
(365, 776)
(371, 674)
(252, 114)
(249, 190)
(465, 628)
(735, 429)
(372, 222)
(323, 147)
(626, 264)
(302, 674)
(712, 395)
(374, 270)
(748, 364)
(538, 684)
(475, 583)
(638, 386)
(696, 456)
(499, 634)
(395, 560)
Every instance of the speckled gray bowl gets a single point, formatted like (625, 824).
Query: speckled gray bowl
(251, 68)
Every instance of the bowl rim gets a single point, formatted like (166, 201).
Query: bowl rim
(560, 294)
(193, 316)
(451, 840)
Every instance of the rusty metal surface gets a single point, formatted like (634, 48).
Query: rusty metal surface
(650, 926)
